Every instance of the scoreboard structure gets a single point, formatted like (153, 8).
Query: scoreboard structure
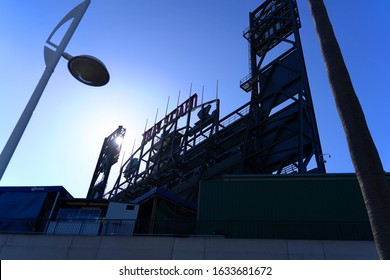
(274, 133)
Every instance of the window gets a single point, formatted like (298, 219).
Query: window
(78, 214)
(130, 207)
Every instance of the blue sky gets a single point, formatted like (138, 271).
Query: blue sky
(154, 49)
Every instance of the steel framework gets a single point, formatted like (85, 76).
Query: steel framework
(109, 155)
(282, 133)
(274, 133)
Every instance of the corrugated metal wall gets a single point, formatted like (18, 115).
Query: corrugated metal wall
(301, 206)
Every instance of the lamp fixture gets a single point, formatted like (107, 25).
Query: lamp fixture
(88, 70)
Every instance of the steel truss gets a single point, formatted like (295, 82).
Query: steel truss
(274, 133)
(109, 155)
(282, 135)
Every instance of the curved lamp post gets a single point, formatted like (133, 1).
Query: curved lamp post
(87, 69)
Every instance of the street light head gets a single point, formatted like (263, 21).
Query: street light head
(89, 70)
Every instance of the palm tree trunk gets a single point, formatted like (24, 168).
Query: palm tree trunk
(364, 155)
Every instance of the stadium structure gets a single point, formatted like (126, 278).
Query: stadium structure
(274, 133)
(257, 173)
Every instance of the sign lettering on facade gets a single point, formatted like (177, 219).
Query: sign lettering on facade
(180, 111)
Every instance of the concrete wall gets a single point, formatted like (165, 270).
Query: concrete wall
(26, 247)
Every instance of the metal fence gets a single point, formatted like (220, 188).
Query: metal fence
(320, 230)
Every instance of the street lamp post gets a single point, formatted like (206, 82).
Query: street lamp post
(86, 69)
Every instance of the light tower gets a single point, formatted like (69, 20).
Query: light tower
(109, 155)
(282, 129)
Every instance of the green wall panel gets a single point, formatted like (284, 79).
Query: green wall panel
(305, 206)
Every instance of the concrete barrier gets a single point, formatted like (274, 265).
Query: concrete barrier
(54, 247)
